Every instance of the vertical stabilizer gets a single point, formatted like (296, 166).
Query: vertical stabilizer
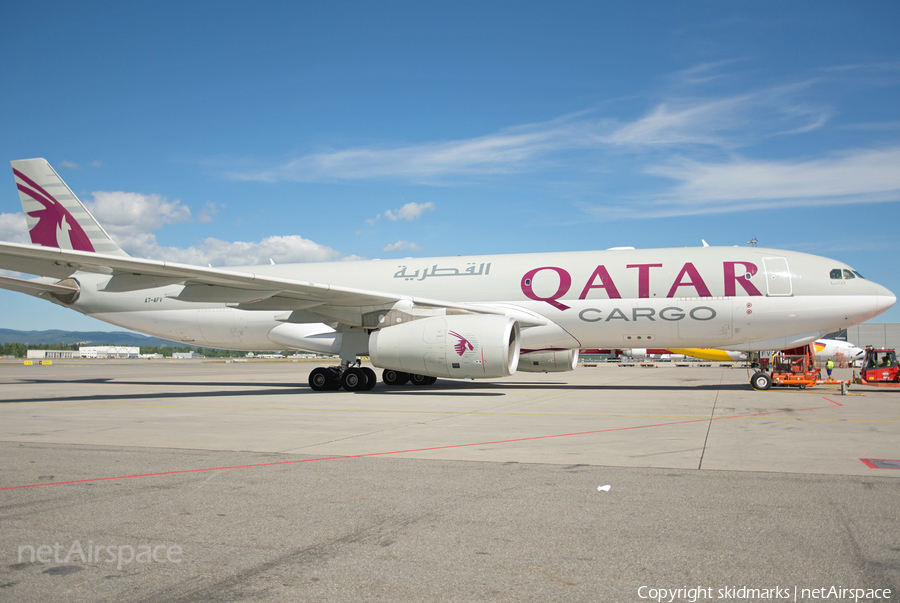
(55, 216)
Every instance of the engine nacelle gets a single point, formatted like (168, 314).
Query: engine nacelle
(559, 361)
(476, 346)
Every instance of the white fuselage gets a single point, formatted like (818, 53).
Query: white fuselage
(724, 297)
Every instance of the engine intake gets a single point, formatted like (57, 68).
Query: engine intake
(559, 361)
(476, 346)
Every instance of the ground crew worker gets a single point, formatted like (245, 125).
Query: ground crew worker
(829, 366)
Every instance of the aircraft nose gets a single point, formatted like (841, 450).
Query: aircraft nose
(884, 299)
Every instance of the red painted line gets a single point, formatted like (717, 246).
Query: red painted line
(872, 465)
(448, 447)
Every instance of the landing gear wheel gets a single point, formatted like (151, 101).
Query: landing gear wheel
(392, 377)
(371, 377)
(322, 379)
(761, 381)
(354, 380)
(422, 380)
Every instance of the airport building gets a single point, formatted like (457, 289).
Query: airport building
(110, 351)
(880, 335)
(104, 351)
(51, 354)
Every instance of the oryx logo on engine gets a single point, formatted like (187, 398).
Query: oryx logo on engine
(462, 345)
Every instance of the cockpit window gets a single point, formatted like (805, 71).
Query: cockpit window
(844, 274)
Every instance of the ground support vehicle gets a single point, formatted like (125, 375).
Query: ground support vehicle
(795, 367)
(880, 368)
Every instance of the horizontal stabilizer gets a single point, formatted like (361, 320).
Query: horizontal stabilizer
(64, 291)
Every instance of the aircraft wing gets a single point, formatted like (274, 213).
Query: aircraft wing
(244, 290)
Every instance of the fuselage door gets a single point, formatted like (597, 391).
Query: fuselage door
(778, 277)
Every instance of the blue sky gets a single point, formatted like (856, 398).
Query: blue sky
(230, 133)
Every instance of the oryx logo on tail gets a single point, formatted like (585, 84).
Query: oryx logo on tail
(56, 227)
(462, 345)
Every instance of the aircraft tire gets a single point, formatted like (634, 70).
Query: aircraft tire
(371, 378)
(321, 379)
(354, 380)
(392, 377)
(761, 381)
(422, 380)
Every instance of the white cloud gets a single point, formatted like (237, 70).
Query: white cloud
(816, 117)
(510, 150)
(281, 249)
(131, 218)
(686, 123)
(741, 185)
(704, 72)
(862, 176)
(402, 245)
(13, 228)
(206, 214)
(726, 122)
(215, 252)
(859, 174)
(69, 165)
(409, 211)
(120, 213)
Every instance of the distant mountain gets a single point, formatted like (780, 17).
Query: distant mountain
(83, 337)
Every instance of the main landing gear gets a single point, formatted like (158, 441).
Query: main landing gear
(351, 378)
(392, 377)
(355, 378)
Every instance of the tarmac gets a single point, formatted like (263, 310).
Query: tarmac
(188, 480)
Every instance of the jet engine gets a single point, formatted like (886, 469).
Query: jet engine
(476, 346)
(559, 361)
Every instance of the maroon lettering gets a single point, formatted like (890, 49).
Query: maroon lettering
(694, 280)
(606, 282)
(644, 277)
(565, 282)
(731, 277)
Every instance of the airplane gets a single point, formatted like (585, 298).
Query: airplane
(833, 349)
(836, 349)
(483, 316)
(681, 353)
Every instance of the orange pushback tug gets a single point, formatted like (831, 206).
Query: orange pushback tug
(880, 368)
(795, 367)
